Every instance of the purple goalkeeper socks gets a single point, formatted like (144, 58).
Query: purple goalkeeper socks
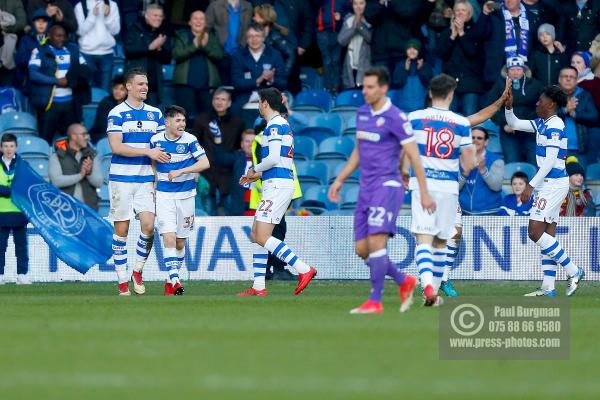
(379, 268)
(395, 273)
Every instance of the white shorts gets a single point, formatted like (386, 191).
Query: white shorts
(276, 198)
(174, 215)
(458, 218)
(441, 222)
(547, 200)
(128, 199)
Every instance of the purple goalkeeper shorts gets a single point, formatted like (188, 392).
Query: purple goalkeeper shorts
(377, 208)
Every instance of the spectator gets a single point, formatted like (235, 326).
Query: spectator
(329, 23)
(196, 50)
(75, 168)
(517, 146)
(230, 20)
(12, 23)
(580, 23)
(546, 61)
(412, 76)
(255, 67)
(238, 162)
(55, 70)
(481, 187)
(11, 218)
(218, 125)
(586, 79)
(460, 49)
(266, 16)
(98, 23)
(579, 116)
(512, 206)
(579, 201)
(438, 21)
(30, 41)
(543, 11)
(58, 10)
(356, 35)
(117, 96)
(595, 50)
(147, 46)
(297, 121)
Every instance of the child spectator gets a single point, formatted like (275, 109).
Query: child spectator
(512, 206)
(579, 201)
(35, 37)
(412, 76)
(356, 36)
(546, 60)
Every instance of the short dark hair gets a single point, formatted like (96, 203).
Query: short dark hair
(556, 94)
(519, 175)
(486, 134)
(57, 24)
(382, 74)
(441, 86)
(173, 110)
(133, 72)
(571, 68)
(220, 90)
(118, 80)
(8, 137)
(256, 26)
(272, 96)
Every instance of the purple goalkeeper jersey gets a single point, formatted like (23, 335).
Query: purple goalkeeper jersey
(380, 136)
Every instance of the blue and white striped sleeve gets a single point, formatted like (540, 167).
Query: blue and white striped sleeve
(196, 150)
(553, 137)
(161, 123)
(273, 133)
(114, 123)
(465, 133)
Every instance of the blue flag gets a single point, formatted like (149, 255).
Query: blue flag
(75, 232)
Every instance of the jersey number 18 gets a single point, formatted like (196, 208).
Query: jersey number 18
(436, 139)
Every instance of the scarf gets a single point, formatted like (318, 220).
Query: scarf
(575, 198)
(511, 49)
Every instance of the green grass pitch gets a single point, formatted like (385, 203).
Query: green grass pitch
(82, 341)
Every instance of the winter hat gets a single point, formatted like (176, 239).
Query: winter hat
(573, 167)
(548, 28)
(40, 13)
(587, 57)
(515, 62)
(413, 44)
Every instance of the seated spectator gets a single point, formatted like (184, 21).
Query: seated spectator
(546, 60)
(55, 70)
(512, 206)
(12, 23)
(329, 22)
(219, 126)
(481, 187)
(517, 146)
(586, 79)
(34, 38)
(579, 201)
(460, 48)
(580, 115)
(117, 96)
(58, 10)
(411, 77)
(580, 23)
(98, 23)
(276, 36)
(195, 50)
(238, 162)
(75, 168)
(297, 121)
(356, 35)
(255, 67)
(147, 46)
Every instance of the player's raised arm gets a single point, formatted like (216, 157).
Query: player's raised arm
(411, 152)
(515, 123)
(351, 165)
(488, 112)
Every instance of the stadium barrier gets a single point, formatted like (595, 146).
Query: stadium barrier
(493, 248)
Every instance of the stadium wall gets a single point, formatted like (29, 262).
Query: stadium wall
(493, 248)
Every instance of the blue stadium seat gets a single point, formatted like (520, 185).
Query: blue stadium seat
(394, 96)
(316, 198)
(592, 172)
(338, 213)
(328, 120)
(118, 52)
(98, 94)
(89, 115)
(511, 168)
(312, 171)
(494, 145)
(349, 98)
(18, 122)
(335, 147)
(597, 201)
(118, 69)
(313, 97)
(34, 146)
(39, 164)
(350, 195)
(348, 116)
(105, 167)
(332, 164)
(351, 179)
(317, 133)
(167, 71)
(305, 148)
(305, 185)
(103, 208)
(103, 148)
(310, 78)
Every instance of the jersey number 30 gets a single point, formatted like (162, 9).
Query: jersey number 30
(436, 139)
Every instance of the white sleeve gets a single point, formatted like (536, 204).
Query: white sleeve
(274, 153)
(546, 167)
(517, 124)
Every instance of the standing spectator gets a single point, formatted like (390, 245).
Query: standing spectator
(512, 206)
(255, 67)
(460, 50)
(98, 23)
(543, 11)
(55, 69)
(579, 201)
(517, 146)
(586, 79)
(195, 50)
(580, 115)
(11, 218)
(356, 35)
(147, 46)
(438, 21)
(580, 23)
(329, 23)
(412, 76)
(220, 126)
(117, 96)
(30, 41)
(547, 60)
(12, 23)
(481, 187)
(230, 20)
(58, 10)
(75, 168)
(276, 35)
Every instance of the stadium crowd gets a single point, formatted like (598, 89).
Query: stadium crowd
(63, 61)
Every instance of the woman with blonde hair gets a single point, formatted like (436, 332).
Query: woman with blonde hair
(276, 35)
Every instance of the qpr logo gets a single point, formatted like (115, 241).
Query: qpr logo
(180, 149)
(150, 116)
(56, 209)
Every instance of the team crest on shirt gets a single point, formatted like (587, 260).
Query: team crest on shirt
(150, 116)
(180, 149)
(111, 123)
(273, 131)
(556, 135)
(380, 121)
(197, 146)
(128, 116)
